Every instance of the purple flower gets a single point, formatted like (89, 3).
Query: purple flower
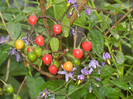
(68, 15)
(14, 52)
(44, 93)
(85, 71)
(71, 1)
(67, 74)
(98, 79)
(4, 40)
(81, 77)
(25, 39)
(93, 63)
(88, 11)
(106, 56)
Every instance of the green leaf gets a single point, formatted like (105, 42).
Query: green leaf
(54, 44)
(99, 92)
(81, 20)
(58, 1)
(73, 91)
(38, 62)
(17, 68)
(131, 85)
(131, 40)
(34, 85)
(14, 29)
(115, 34)
(4, 50)
(17, 4)
(106, 21)
(28, 9)
(120, 84)
(97, 42)
(7, 16)
(58, 12)
(106, 71)
(112, 93)
(52, 85)
(120, 57)
(20, 18)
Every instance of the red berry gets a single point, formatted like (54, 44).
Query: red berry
(87, 45)
(52, 69)
(57, 29)
(47, 59)
(32, 19)
(29, 49)
(77, 53)
(39, 40)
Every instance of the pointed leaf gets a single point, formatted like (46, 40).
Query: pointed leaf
(97, 42)
(4, 50)
(14, 29)
(54, 44)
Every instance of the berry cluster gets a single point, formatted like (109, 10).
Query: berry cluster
(36, 51)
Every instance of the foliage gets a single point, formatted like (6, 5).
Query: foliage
(103, 72)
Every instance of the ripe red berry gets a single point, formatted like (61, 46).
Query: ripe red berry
(47, 59)
(32, 19)
(87, 45)
(39, 40)
(57, 29)
(29, 49)
(77, 53)
(52, 69)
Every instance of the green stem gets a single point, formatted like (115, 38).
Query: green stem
(8, 4)
(109, 48)
(93, 5)
(3, 82)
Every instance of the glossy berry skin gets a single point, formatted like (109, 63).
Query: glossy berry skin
(9, 88)
(32, 57)
(39, 40)
(16, 96)
(32, 19)
(19, 44)
(68, 66)
(57, 29)
(47, 59)
(76, 62)
(38, 51)
(87, 45)
(29, 49)
(52, 69)
(56, 63)
(77, 53)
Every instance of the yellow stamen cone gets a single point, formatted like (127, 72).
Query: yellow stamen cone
(108, 61)
(44, 94)
(79, 81)
(68, 4)
(87, 76)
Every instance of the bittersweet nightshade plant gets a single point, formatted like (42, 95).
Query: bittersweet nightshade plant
(71, 1)
(86, 71)
(81, 77)
(4, 40)
(94, 64)
(88, 11)
(44, 93)
(67, 74)
(14, 52)
(25, 39)
(107, 57)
